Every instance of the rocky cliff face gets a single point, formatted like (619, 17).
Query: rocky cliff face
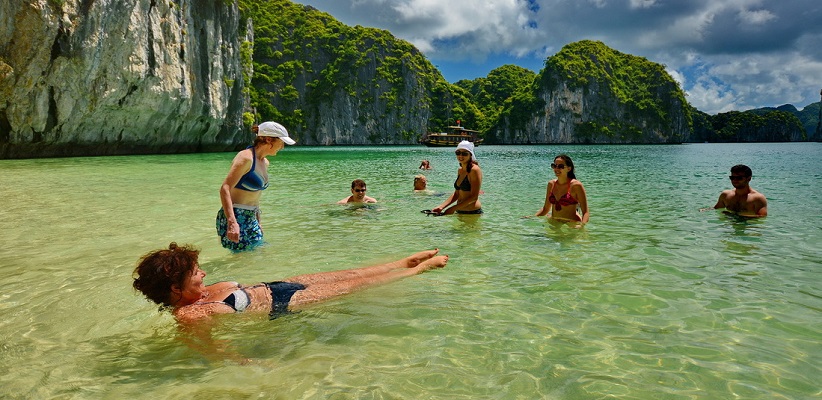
(384, 101)
(818, 135)
(119, 77)
(758, 125)
(331, 84)
(592, 114)
(589, 93)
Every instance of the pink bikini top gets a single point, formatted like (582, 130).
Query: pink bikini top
(564, 200)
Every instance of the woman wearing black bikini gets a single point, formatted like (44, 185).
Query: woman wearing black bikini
(466, 187)
(565, 194)
(173, 279)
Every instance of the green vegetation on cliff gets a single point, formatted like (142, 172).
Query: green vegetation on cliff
(600, 95)
(808, 117)
(308, 64)
(749, 126)
(303, 58)
(643, 88)
(502, 88)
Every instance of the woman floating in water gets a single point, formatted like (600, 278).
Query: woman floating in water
(238, 221)
(467, 187)
(565, 194)
(172, 278)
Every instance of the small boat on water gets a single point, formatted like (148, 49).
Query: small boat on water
(453, 137)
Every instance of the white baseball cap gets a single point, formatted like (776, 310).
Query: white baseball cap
(274, 129)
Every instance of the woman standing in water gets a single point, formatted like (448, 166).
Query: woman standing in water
(467, 186)
(565, 194)
(238, 221)
(172, 278)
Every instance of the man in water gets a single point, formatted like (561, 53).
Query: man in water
(420, 183)
(742, 199)
(357, 194)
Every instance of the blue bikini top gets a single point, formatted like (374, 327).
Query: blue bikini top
(252, 181)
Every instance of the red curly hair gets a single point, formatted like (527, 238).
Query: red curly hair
(158, 270)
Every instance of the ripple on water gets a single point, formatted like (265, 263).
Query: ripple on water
(651, 299)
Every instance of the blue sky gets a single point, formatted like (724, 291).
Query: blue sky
(726, 54)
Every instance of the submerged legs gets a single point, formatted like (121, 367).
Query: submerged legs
(326, 285)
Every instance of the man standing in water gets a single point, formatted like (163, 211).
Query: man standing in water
(742, 199)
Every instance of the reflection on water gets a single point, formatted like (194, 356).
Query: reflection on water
(745, 234)
(651, 299)
(365, 211)
(740, 249)
(565, 231)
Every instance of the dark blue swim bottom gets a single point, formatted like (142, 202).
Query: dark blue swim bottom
(281, 293)
(477, 211)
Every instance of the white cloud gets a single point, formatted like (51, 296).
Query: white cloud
(461, 29)
(678, 77)
(642, 3)
(757, 17)
(711, 97)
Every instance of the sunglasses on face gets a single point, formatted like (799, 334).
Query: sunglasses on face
(360, 190)
(558, 166)
(737, 177)
(462, 153)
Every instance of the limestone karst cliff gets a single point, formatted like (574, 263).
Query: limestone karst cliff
(331, 84)
(758, 125)
(818, 133)
(161, 76)
(590, 93)
(119, 77)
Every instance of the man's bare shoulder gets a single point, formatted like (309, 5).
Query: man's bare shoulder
(757, 195)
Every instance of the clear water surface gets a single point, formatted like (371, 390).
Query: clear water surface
(652, 299)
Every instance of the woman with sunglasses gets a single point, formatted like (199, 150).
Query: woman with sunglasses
(467, 186)
(565, 194)
(238, 221)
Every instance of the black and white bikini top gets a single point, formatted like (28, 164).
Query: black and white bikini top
(238, 299)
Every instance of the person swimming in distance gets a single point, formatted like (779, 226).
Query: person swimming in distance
(173, 279)
(565, 194)
(357, 194)
(467, 187)
(425, 165)
(238, 222)
(420, 183)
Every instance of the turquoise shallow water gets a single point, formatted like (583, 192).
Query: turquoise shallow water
(652, 299)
